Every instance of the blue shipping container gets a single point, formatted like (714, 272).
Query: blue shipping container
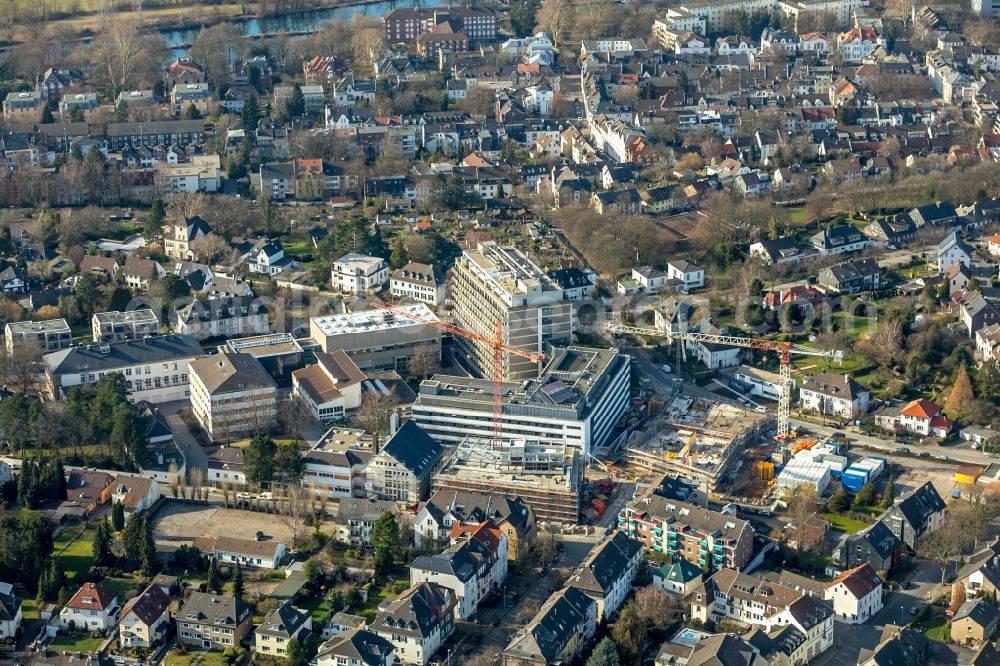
(853, 482)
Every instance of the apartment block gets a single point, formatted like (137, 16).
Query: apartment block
(50, 335)
(213, 621)
(121, 326)
(232, 396)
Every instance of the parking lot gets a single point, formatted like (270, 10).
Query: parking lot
(178, 524)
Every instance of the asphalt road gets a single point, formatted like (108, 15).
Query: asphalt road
(194, 455)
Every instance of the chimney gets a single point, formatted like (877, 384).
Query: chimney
(375, 448)
(393, 423)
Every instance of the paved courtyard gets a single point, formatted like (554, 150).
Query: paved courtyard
(179, 523)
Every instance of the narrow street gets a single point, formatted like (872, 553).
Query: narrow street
(194, 455)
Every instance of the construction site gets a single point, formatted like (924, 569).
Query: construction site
(546, 475)
(698, 439)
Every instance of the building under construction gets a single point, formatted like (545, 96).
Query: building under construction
(695, 439)
(546, 476)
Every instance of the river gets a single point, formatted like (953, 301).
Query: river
(310, 21)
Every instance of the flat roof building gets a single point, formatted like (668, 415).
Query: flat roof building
(232, 396)
(121, 326)
(578, 400)
(548, 474)
(50, 335)
(377, 340)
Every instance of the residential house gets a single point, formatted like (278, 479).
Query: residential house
(184, 96)
(679, 529)
(941, 214)
(139, 272)
(359, 274)
(356, 646)
(975, 622)
(281, 625)
(48, 336)
(838, 240)
(13, 280)
(228, 316)
(135, 493)
(473, 568)
(917, 514)
(976, 312)
(680, 578)
(875, 545)
(607, 573)
(330, 387)
(94, 608)
(10, 613)
(89, 488)
(357, 516)
(267, 256)
(145, 619)
(557, 634)
(401, 470)
(121, 326)
(921, 416)
(780, 250)
(182, 237)
(447, 508)
(689, 275)
(213, 621)
(617, 202)
(952, 250)
(103, 267)
(421, 282)
(231, 395)
(225, 467)
(250, 553)
(898, 645)
(417, 622)
(851, 277)
(834, 395)
(856, 595)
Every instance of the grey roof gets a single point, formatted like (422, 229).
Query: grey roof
(559, 619)
(606, 564)
(417, 612)
(882, 539)
(285, 621)
(900, 646)
(979, 611)
(920, 505)
(838, 386)
(214, 609)
(476, 507)
(414, 449)
(109, 357)
(680, 572)
(358, 644)
(783, 641)
(9, 605)
(721, 650)
(230, 372)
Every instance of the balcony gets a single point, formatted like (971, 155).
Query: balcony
(703, 543)
(657, 530)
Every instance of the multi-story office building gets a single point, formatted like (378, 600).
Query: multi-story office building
(407, 24)
(377, 340)
(232, 396)
(677, 529)
(121, 326)
(155, 368)
(577, 400)
(50, 335)
(494, 286)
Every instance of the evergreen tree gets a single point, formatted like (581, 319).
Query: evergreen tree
(57, 578)
(398, 258)
(47, 115)
(295, 654)
(888, 495)
(102, 544)
(147, 551)
(605, 654)
(839, 502)
(214, 582)
(118, 516)
(239, 587)
(296, 105)
(132, 541)
(251, 113)
(192, 112)
(43, 587)
(385, 539)
(865, 496)
(259, 459)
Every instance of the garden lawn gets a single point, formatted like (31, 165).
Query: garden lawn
(938, 630)
(845, 524)
(316, 606)
(371, 606)
(82, 643)
(77, 555)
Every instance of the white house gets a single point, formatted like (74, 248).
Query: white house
(473, 568)
(606, 575)
(993, 245)
(856, 595)
(834, 395)
(715, 356)
(358, 273)
(921, 416)
(267, 256)
(952, 250)
(10, 611)
(94, 607)
(136, 493)
(417, 622)
(650, 278)
(250, 553)
(757, 382)
(421, 282)
(145, 618)
(330, 387)
(687, 273)
(356, 646)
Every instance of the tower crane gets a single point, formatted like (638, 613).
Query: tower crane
(495, 343)
(784, 350)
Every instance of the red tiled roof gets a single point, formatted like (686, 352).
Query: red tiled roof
(921, 409)
(92, 596)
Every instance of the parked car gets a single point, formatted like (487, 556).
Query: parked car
(266, 495)
(903, 451)
(242, 496)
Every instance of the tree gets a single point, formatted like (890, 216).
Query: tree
(288, 460)
(957, 597)
(961, 397)
(259, 460)
(375, 410)
(250, 115)
(192, 112)
(296, 104)
(865, 496)
(214, 583)
(132, 539)
(386, 541)
(947, 541)
(118, 516)
(239, 587)
(839, 501)
(87, 293)
(802, 502)
(655, 607)
(630, 632)
(102, 544)
(398, 258)
(47, 116)
(888, 495)
(988, 382)
(295, 654)
(147, 550)
(313, 572)
(604, 654)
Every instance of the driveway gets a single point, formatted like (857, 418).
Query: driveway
(194, 455)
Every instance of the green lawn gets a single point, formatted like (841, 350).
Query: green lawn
(938, 630)
(316, 606)
(371, 606)
(77, 643)
(210, 658)
(124, 586)
(29, 609)
(845, 524)
(75, 548)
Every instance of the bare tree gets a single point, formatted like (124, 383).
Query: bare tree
(376, 409)
(197, 481)
(655, 606)
(983, 506)
(802, 503)
(426, 362)
(947, 541)
(173, 479)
